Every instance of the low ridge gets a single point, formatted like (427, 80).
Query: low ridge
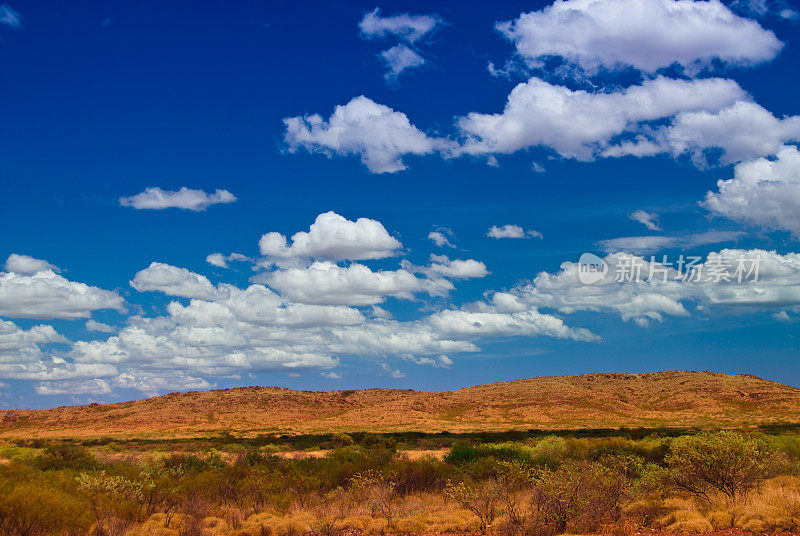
(601, 400)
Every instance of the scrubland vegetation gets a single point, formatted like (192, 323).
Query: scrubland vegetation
(525, 484)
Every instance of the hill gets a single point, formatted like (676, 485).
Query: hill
(678, 399)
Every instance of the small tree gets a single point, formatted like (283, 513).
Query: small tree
(378, 491)
(580, 495)
(727, 462)
(482, 498)
(512, 478)
(159, 490)
(113, 500)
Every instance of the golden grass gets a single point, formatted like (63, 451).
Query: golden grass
(417, 514)
(774, 507)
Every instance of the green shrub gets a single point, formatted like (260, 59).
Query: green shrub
(463, 452)
(425, 474)
(65, 456)
(727, 462)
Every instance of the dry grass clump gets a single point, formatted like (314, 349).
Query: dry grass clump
(683, 518)
(774, 507)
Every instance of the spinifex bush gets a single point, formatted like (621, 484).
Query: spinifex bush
(35, 509)
(727, 462)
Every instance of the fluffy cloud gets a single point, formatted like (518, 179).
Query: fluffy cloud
(579, 124)
(442, 266)
(305, 322)
(333, 237)
(255, 330)
(309, 319)
(511, 231)
(185, 198)
(15, 339)
(699, 118)
(764, 192)
(174, 281)
(327, 283)
(24, 355)
(741, 131)
(655, 290)
(409, 28)
(651, 244)
(648, 219)
(398, 59)
(9, 17)
(27, 265)
(646, 34)
(45, 294)
(377, 134)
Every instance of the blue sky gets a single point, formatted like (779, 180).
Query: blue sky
(142, 133)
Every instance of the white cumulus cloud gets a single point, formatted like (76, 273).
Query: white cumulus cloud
(377, 134)
(579, 124)
(646, 34)
(742, 131)
(174, 281)
(27, 265)
(443, 266)
(356, 284)
(656, 290)
(764, 192)
(333, 237)
(45, 294)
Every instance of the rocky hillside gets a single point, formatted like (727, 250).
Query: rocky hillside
(704, 399)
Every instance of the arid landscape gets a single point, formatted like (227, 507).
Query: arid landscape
(359, 268)
(622, 454)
